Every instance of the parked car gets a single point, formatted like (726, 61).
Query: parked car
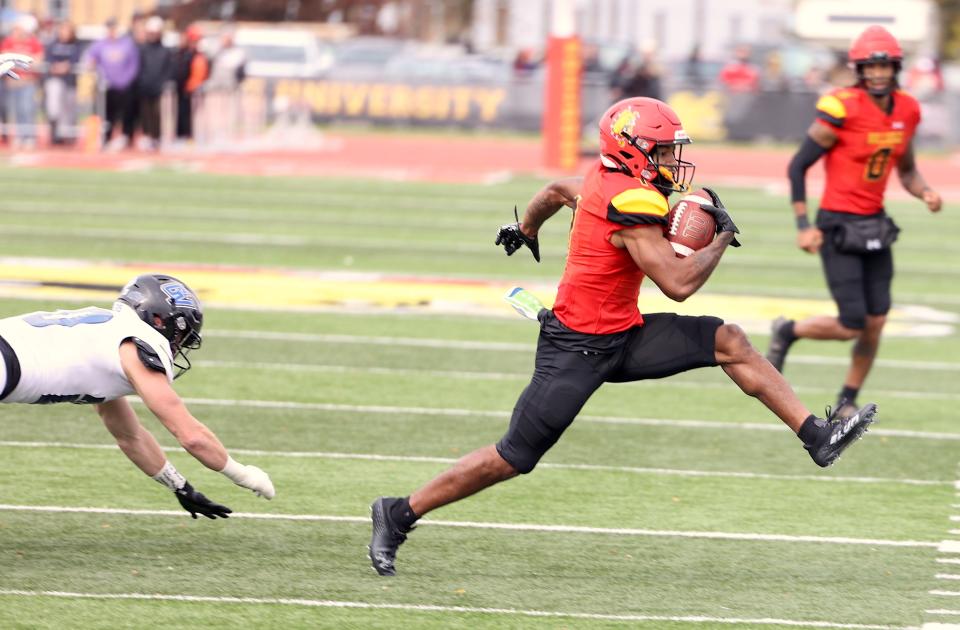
(284, 53)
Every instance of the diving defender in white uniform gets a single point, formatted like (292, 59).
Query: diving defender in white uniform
(99, 356)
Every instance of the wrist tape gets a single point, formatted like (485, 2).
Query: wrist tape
(169, 477)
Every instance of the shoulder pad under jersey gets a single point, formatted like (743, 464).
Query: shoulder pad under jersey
(641, 205)
(148, 356)
(834, 107)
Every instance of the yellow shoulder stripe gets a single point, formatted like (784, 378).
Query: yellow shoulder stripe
(641, 201)
(832, 106)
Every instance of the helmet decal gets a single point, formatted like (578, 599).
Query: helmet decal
(180, 294)
(623, 123)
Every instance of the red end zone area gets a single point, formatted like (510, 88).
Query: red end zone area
(455, 159)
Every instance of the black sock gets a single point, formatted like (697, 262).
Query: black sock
(789, 331)
(850, 393)
(809, 430)
(402, 514)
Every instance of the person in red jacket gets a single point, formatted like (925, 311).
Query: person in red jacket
(596, 333)
(864, 131)
(191, 69)
(21, 92)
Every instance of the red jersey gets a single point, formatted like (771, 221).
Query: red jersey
(601, 283)
(869, 144)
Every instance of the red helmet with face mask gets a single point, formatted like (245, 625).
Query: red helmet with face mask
(876, 45)
(632, 131)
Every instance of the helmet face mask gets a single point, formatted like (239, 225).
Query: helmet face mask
(169, 307)
(634, 134)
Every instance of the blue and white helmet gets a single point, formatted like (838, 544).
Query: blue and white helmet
(171, 308)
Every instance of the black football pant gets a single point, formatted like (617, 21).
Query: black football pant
(563, 380)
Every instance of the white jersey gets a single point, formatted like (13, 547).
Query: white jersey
(74, 356)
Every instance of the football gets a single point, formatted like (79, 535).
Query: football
(688, 227)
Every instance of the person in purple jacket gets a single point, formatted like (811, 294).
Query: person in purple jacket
(117, 62)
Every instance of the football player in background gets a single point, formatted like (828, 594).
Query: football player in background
(864, 131)
(595, 332)
(99, 356)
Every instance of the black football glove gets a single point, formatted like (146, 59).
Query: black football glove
(512, 238)
(195, 503)
(719, 213)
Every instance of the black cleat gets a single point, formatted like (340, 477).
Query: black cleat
(779, 343)
(837, 433)
(386, 538)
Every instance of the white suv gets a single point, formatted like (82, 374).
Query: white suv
(283, 53)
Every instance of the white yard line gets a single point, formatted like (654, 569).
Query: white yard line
(455, 344)
(504, 415)
(495, 346)
(548, 465)
(510, 376)
(325, 603)
(524, 527)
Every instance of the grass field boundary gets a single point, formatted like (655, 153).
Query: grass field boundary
(544, 465)
(515, 527)
(321, 603)
(947, 546)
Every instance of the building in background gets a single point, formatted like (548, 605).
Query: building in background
(673, 28)
(82, 11)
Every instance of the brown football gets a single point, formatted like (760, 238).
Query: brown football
(688, 227)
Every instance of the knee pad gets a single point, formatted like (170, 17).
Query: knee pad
(523, 458)
(855, 319)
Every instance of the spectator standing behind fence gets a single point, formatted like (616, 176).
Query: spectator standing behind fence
(190, 70)
(740, 75)
(638, 77)
(117, 61)
(21, 96)
(156, 68)
(222, 91)
(60, 89)
(131, 115)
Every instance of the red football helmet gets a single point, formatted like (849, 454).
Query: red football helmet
(876, 45)
(631, 132)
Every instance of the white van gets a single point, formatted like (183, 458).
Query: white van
(283, 53)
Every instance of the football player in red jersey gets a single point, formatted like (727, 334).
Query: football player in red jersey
(864, 131)
(596, 333)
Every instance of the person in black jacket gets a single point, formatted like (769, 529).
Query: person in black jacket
(60, 89)
(156, 68)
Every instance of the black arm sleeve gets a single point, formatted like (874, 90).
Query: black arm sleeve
(805, 157)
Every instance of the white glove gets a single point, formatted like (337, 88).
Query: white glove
(249, 477)
(9, 61)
